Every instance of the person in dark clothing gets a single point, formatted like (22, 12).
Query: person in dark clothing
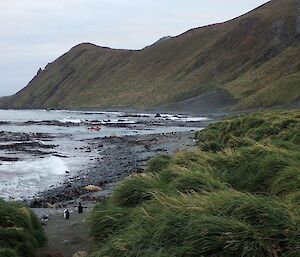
(80, 208)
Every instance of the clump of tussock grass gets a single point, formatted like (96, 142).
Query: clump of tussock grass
(193, 159)
(252, 168)
(20, 230)
(5, 252)
(107, 220)
(158, 163)
(138, 189)
(286, 182)
(197, 181)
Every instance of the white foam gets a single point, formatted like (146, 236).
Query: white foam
(183, 119)
(118, 121)
(30, 176)
(195, 119)
(70, 120)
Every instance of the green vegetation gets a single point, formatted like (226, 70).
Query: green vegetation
(236, 194)
(252, 61)
(20, 231)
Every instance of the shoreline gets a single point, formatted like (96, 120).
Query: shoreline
(118, 158)
(46, 139)
(126, 142)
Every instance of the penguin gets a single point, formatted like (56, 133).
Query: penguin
(66, 214)
(80, 208)
(44, 220)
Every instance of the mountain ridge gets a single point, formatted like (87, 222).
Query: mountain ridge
(249, 59)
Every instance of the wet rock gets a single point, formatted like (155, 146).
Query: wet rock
(8, 159)
(80, 254)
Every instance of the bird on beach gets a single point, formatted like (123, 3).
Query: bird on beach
(80, 208)
(66, 214)
(44, 219)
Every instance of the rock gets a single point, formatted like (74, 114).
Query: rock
(58, 205)
(8, 159)
(49, 205)
(80, 254)
(157, 115)
(93, 188)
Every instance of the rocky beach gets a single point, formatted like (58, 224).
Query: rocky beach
(54, 155)
(118, 157)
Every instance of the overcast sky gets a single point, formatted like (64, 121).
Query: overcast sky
(35, 32)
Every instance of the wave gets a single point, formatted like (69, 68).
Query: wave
(183, 118)
(25, 178)
(71, 120)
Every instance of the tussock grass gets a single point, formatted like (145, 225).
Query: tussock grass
(197, 181)
(284, 125)
(236, 195)
(158, 163)
(108, 220)
(252, 168)
(137, 189)
(20, 230)
(223, 223)
(4, 252)
(287, 182)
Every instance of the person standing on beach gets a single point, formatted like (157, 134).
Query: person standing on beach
(80, 208)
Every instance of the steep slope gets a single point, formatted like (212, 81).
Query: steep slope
(253, 60)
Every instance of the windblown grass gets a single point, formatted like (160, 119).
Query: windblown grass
(20, 230)
(137, 189)
(236, 195)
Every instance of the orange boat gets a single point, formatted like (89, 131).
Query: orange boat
(95, 128)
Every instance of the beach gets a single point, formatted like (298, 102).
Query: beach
(48, 157)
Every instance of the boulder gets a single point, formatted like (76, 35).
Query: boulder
(93, 188)
(80, 254)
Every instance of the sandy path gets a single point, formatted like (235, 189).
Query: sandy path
(67, 236)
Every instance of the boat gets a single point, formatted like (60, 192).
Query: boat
(97, 128)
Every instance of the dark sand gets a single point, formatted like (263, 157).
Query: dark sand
(66, 237)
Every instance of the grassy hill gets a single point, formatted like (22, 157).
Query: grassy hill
(20, 231)
(251, 61)
(236, 194)
(3, 100)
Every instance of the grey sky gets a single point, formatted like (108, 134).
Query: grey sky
(35, 32)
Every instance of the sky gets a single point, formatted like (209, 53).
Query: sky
(36, 32)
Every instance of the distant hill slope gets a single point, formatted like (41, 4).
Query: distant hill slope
(251, 61)
(3, 100)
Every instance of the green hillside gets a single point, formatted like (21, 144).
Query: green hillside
(236, 194)
(253, 61)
